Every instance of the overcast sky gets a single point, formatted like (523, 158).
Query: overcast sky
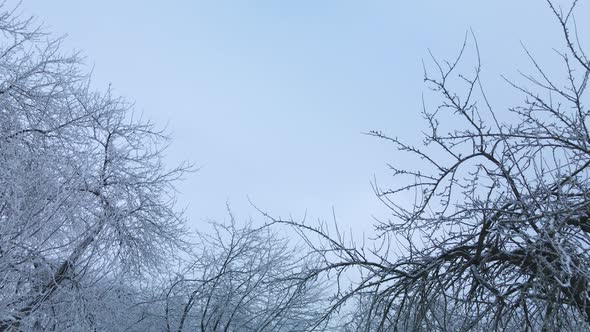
(270, 98)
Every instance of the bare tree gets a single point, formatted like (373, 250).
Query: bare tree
(498, 237)
(244, 279)
(84, 195)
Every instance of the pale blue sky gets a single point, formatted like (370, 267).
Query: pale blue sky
(271, 97)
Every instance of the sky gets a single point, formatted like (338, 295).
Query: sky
(270, 99)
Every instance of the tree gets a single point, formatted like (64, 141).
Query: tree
(85, 200)
(498, 236)
(244, 279)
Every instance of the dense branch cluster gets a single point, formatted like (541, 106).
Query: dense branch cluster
(244, 279)
(84, 197)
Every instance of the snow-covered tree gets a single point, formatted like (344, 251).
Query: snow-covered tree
(84, 195)
(244, 279)
(498, 236)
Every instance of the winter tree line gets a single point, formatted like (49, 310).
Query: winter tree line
(497, 237)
